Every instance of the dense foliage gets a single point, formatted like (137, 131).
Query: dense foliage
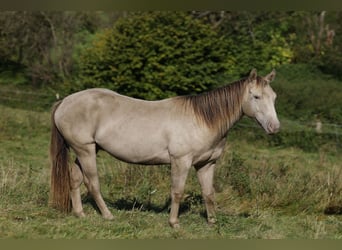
(263, 40)
(156, 55)
(160, 54)
(305, 94)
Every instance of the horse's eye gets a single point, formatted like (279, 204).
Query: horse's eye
(257, 97)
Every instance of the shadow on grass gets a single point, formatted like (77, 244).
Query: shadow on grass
(135, 204)
(333, 210)
(191, 203)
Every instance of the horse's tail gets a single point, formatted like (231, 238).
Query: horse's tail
(60, 175)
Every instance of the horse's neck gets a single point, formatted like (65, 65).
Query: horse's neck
(218, 109)
(228, 124)
(234, 113)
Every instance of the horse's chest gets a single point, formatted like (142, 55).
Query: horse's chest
(209, 155)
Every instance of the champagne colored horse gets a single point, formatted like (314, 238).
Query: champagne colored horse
(182, 131)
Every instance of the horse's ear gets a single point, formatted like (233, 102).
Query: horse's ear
(253, 74)
(270, 77)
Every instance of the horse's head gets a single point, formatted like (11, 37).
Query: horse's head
(259, 99)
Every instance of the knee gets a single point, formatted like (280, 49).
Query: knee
(176, 197)
(209, 198)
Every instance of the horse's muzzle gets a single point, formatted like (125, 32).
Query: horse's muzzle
(272, 127)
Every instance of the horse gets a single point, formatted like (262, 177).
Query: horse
(183, 131)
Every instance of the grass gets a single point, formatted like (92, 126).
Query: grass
(263, 191)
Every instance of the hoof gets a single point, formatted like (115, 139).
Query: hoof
(108, 217)
(174, 224)
(80, 214)
(212, 222)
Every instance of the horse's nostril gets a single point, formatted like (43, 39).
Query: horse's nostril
(272, 127)
(275, 127)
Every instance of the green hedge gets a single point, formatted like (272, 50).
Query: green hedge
(154, 55)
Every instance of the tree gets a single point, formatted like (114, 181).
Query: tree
(259, 39)
(43, 42)
(154, 55)
(330, 61)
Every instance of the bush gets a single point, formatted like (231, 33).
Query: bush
(235, 172)
(331, 62)
(154, 55)
(304, 94)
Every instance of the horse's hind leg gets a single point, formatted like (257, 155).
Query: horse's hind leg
(76, 178)
(86, 156)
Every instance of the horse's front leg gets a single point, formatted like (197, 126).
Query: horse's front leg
(179, 172)
(205, 176)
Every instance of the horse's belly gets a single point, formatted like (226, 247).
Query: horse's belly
(139, 156)
(139, 151)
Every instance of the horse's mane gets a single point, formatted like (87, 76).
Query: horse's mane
(221, 107)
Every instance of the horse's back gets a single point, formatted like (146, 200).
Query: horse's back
(84, 107)
(97, 103)
(130, 129)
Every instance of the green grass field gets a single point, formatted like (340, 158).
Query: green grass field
(264, 190)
